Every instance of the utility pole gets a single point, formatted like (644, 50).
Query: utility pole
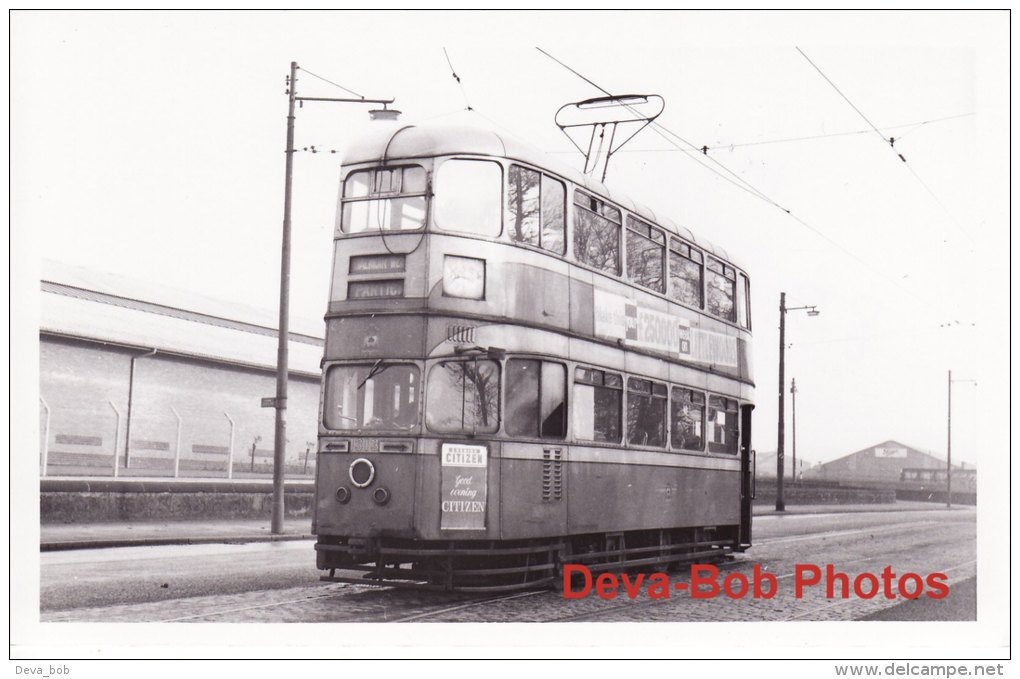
(793, 396)
(780, 503)
(780, 455)
(949, 442)
(282, 352)
(280, 401)
(949, 437)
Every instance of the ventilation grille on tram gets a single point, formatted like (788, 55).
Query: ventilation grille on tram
(552, 474)
(460, 333)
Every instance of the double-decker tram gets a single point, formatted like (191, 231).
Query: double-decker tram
(523, 370)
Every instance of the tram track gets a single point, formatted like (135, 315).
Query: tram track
(354, 602)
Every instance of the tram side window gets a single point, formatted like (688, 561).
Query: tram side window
(463, 396)
(646, 412)
(535, 209)
(536, 399)
(469, 195)
(722, 282)
(722, 425)
(378, 397)
(744, 302)
(597, 401)
(688, 419)
(384, 199)
(685, 273)
(596, 233)
(646, 252)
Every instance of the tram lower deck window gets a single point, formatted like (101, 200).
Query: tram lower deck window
(722, 425)
(536, 399)
(463, 396)
(597, 405)
(646, 413)
(376, 397)
(688, 419)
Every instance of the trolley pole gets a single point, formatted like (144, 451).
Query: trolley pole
(282, 356)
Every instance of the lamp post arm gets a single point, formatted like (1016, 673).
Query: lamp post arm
(384, 102)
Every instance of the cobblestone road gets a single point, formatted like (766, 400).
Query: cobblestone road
(919, 542)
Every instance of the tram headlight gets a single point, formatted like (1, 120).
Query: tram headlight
(343, 495)
(361, 472)
(463, 277)
(381, 496)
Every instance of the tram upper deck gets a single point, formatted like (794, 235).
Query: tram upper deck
(469, 223)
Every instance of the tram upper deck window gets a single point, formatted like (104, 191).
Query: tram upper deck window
(646, 255)
(646, 412)
(597, 405)
(596, 233)
(384, 199)
(688, 419)
(463, 397)
(722, 425)
(469, 196)
(383, 396)
(744, 302)
(686, 271)
(536, 399)
(535, 209)
(722, 284)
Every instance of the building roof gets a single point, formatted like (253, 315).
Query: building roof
(93, 305)
(908, 456)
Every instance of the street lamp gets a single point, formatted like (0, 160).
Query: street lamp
(811, 311)
(279, 402)
(949, 438)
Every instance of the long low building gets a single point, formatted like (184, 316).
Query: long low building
(884, 462)
(138, 379)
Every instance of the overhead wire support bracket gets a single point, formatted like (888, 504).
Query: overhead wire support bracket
(633, 109)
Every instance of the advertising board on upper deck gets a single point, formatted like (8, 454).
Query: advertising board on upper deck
(619, 318)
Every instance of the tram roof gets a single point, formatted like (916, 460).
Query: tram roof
(399, 142)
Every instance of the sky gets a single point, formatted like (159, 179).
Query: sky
(150, 145)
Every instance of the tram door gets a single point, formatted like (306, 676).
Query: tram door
(747, 472)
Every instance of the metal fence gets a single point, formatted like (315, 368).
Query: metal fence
(173, 442)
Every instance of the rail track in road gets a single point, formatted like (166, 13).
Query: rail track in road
(914, 545)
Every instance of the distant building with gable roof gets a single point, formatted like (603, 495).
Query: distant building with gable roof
(880, 463)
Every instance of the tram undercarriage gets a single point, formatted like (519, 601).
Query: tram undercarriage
(507, 565)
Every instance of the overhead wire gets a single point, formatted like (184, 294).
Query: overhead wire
(891, 142)
(741, 183)
(724, 146)
(753, 190)
(456, 77)
(345, 89)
